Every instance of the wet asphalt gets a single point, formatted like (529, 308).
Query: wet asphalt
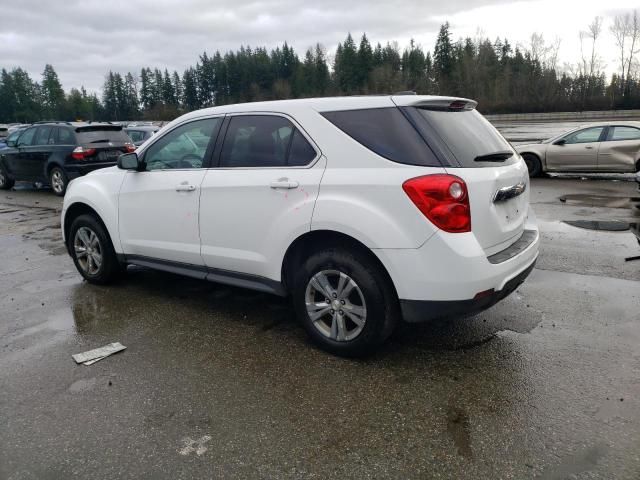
(218, 382)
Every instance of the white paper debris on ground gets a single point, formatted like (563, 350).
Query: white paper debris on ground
(97, 354)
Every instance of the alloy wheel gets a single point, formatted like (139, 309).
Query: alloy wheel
(57, 182)
(335, 305)
(88, 250)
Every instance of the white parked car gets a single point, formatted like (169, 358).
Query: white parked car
(365, 210)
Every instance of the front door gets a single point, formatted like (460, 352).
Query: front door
(579, 152)
(18, 159)
(260, 195)
(159, 207)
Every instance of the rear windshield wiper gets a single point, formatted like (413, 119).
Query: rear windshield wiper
(100, 141)
(500, 156)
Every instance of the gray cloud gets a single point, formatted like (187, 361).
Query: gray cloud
(84, 39)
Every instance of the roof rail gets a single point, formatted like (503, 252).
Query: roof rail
(405, 92)
(51, 121)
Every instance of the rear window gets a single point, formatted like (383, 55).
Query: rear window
(464, 135)
(387, 132)
(103, 134)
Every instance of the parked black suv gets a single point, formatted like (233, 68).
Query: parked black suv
(57, 152)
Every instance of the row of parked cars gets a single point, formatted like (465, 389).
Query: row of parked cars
(57, 152)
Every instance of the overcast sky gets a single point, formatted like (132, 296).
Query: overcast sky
(84, 39)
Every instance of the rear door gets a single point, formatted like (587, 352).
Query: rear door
(496, 177)
(620, 151)
(579, 152)
(158, 208)
(260, 195)
(39, 152)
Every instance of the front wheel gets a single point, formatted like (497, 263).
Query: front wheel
(58, 181)
(92, 251)
(345, 302)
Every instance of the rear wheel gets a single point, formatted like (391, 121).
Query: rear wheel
(5, 182)
(533, 164)
(345, 302)
(58, 181)
(92, 251)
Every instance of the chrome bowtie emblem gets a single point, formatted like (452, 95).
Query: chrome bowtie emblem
(506, 193)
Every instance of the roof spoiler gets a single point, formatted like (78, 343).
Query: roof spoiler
(446, 104)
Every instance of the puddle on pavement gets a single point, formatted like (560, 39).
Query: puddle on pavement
(604, 201)
(606, 226)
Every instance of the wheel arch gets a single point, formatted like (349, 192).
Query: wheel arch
(74, 211)
(311, 241)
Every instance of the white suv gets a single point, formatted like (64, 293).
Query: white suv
(365, 210)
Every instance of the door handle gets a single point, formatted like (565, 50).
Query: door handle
(185, 188)
(589, 148)
(284, 183)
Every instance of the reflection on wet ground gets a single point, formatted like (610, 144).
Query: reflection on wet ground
(604, 201)
(604, 225)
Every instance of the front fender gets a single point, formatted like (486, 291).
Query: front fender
(99, 192)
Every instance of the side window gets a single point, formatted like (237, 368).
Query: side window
(42, 136)
(623, 133)
(256, 141)
(386, 132)
(587, 135)
(65, 137)
(26, 139)
(183, 147)
(301, 152)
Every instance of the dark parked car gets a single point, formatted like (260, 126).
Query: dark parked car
(141, 134)
(57, 152)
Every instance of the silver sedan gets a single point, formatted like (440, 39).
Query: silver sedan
(603, 147)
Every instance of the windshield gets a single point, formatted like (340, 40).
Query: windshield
(466, 135)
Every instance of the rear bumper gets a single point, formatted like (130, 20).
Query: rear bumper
(74, 170)
(415, 311)
(451, 274)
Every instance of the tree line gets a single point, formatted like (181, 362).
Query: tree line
(503, 78)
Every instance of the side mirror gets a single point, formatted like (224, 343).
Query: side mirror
(560, 142)
(11, 143)
(130, 161)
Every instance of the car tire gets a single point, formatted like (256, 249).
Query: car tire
(358, 317)
(58, 181)
(87, 235)
(6, 183)
(533, 164)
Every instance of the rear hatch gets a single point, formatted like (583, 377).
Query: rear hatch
(102, 143)
(472, 149)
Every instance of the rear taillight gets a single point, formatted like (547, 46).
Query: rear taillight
(443, 199)
(80, 153)
(129, 147)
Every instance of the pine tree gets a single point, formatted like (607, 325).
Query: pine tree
(365, 63)
(53, 98)
(443, 57)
